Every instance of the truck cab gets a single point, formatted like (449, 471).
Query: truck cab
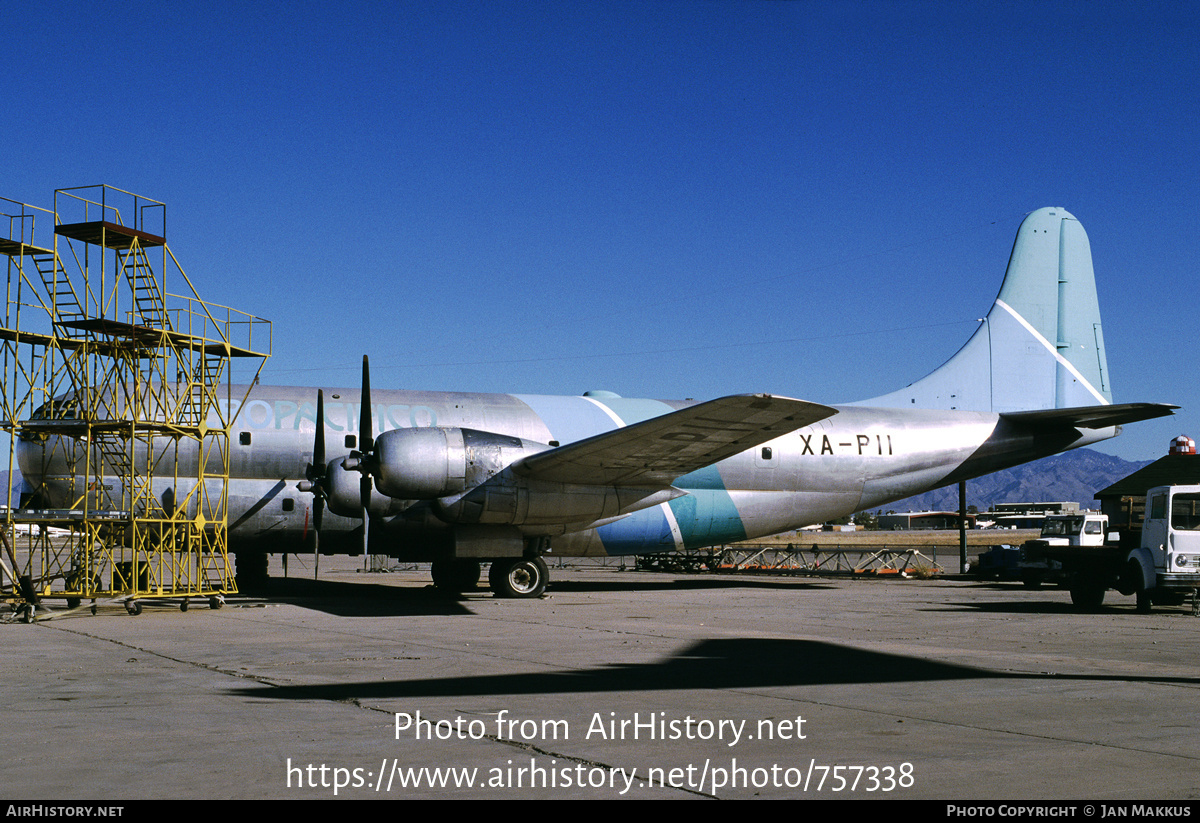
(1163, 570)
(1171, 535)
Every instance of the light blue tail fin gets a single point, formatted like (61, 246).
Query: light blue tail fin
(1040, 346)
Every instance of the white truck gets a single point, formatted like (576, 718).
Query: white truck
(1163, 570)
(1069, 529)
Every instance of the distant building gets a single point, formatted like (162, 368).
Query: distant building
(1057, 507)
(904, 521)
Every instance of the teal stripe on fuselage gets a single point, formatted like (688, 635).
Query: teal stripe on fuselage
(705, 516)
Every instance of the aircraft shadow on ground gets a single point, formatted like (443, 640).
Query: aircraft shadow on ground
(360, 599)
(354, 599)
(709, 664)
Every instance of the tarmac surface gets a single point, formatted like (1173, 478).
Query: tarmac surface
(616, 684)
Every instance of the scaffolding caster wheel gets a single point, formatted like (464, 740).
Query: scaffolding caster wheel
(183, 607)
(134, 607)
(216, 601)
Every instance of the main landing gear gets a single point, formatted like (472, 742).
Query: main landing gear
(518, 577)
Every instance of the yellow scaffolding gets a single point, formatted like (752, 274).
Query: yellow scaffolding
(118, 398)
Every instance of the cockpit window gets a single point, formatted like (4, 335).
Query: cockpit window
(60, 408)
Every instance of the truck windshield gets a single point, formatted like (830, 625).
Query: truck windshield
(1062, 526)
(1185, 512)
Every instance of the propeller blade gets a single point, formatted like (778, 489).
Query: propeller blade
(319, 441)
(366, 440)
(315, 476)
(365, 445)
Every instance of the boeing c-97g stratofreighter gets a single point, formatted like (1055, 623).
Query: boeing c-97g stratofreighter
(457, 479)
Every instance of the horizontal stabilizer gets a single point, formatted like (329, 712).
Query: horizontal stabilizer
(656, 451)
(1092, 417)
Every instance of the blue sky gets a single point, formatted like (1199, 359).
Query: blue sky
(663, 199)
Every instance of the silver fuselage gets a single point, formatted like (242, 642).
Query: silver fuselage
(859, 458)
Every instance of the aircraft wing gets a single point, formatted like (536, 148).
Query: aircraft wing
(656, 451)
(1092, 417)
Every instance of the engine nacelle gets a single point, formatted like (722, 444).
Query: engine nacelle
(428, 463)
(343, 488)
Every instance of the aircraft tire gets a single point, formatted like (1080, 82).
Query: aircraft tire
(252, 573)
(457, 575)
(518, 577)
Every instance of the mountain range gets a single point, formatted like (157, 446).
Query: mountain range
(1075, 475)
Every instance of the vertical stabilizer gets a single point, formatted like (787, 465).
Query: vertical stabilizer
(1041, 346)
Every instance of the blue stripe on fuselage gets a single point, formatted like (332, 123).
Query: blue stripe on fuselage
(643, 531)
(568, 418)
(707, 514)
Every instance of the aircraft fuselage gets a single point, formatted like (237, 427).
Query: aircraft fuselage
(856, 459)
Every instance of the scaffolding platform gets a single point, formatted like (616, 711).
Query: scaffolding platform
(117, 398)
(109, 235)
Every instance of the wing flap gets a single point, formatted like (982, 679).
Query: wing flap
(656, 451)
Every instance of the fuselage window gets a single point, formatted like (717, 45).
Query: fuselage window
(244, 438)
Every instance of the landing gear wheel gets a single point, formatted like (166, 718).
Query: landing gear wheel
(522, 577)
(73, 602)
(252, 573)
(1143, 601)
(458, 575)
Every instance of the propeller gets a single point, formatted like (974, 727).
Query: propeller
(360, 459)
(315, 475)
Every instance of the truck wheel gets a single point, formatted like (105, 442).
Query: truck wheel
(1087, 596)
